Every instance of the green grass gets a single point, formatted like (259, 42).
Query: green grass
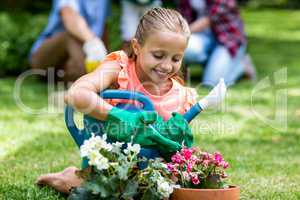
(264, 160)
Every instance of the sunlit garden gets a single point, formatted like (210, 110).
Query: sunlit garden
(257, 129)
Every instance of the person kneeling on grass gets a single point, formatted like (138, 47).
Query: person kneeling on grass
(71, 38)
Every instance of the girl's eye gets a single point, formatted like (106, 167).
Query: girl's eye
(176, 59)
(158, 55)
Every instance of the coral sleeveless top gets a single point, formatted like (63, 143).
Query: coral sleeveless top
(177, 99)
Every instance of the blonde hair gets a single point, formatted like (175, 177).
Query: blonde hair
(160, 19)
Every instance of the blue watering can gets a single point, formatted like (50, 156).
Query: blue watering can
(92, 125)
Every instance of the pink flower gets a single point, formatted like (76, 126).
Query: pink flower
(186, 176)
(190, 162)
(218, 159)
(177, 158)
(187, 153)
(205, 162)
(224, 164)
(195, 179)
(194, 159)
(170, 167)
(189, 167)
(205, 156)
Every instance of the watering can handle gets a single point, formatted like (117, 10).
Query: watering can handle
(106, 94)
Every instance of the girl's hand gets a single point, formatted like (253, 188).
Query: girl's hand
(178, 130)
(125, 126)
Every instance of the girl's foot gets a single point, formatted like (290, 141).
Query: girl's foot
(62, 181)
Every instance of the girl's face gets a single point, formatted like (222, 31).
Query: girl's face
(160, 57)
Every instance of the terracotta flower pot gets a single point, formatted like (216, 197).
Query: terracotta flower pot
(231, 193)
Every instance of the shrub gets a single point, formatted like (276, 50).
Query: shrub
(18, 32)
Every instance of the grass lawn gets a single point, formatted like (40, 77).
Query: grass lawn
(264, 157)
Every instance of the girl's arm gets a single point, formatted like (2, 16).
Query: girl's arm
(83, 94)
(200, 24)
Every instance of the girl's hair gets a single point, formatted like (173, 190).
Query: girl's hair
(160, 19)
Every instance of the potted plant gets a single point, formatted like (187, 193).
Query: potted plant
(201, 175)
(113, 173)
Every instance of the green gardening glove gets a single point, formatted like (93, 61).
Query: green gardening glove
(161, 143)
(122, 125)
(178, 130)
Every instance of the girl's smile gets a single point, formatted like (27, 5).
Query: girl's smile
(161, 73)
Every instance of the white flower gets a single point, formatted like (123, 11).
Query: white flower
(132, 148)
(93, 157)
(95, 143)
(116, 147)
(91, 149)
(102, 163)
(164, 188)
(85, 150)
(98, 160)
(100, 143)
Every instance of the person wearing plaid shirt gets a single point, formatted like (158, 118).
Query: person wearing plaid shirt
(218, 39)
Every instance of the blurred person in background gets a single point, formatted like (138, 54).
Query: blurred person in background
(218, 40)
(132, 10)
(72, 38)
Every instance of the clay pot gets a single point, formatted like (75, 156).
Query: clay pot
(231, 193)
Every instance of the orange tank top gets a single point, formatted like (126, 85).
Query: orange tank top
(178, 99)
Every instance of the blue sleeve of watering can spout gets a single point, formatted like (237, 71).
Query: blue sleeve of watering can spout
(193, 112)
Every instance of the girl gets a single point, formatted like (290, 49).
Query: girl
(151, 67)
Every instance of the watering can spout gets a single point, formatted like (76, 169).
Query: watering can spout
(213, 99)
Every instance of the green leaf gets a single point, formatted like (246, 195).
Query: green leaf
(212, 182)
(94, 187)
(80, 193)
(123, 172)
(150, 194)
(130, 189)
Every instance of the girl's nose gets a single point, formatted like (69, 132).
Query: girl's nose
(167, 66)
